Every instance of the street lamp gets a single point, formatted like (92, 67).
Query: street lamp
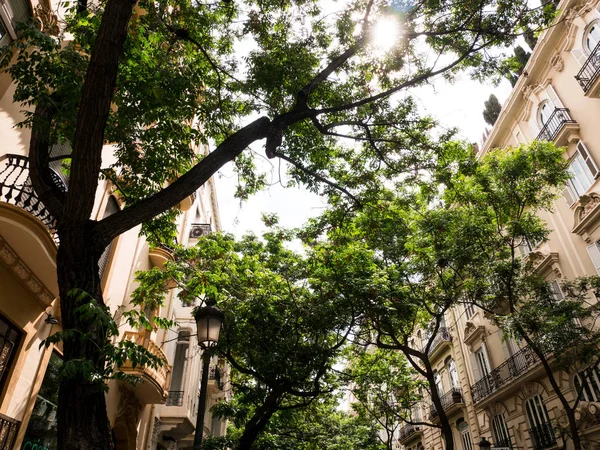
(208, 322)
(484, 444)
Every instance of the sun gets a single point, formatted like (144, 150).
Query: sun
(385, 34)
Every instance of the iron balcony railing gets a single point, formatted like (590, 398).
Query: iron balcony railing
(16, 189)
(542, 436)
(408, 430)
(502, 375)
(554, 124)
(443, 335)
(175, 398)
(452, 397)
(8, 432)
(590, 71)
(502, 445)
(214, 373)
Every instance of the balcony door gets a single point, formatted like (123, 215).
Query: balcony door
(9, 342)
(593, 37)
(541, 432)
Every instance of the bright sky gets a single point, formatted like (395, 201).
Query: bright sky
(459, 105)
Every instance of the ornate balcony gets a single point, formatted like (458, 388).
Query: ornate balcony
(409, 431)
(153, 382)
(504, 374)
(558, 127)
(542, 436)
(9, 428)
(215, 377)
(504, 444)
(441, 339)
(175, 398)
(588, 77)
(450, 400)
(16, 189)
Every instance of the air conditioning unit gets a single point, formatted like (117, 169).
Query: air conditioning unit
(199, 229)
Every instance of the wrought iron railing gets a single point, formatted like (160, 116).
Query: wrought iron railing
(214, 373)
(8, 432)
(16, 189)
(502, 375)
(554, 124)
(442, 335)
(590, 71)
(542, 436)
(452, 397)
(503, 444)
(175, 398)
(408, 430)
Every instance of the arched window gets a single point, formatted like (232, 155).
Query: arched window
(591, 37)
(545, 110)
(465, 437)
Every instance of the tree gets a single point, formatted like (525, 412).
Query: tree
(154, 78)
(492, 108)
(287, 317)
(508, 190)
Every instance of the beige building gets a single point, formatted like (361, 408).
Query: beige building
(500, 389)
(160, 412)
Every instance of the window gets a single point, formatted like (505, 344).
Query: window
(112, 206)
(465, 437)
(469, 310)
(482, 362)
(594, 252)
(555, 290)
(451, 367)
(592, 36)
(10, 337)
(41, 430)
(438, 383)
(542, 433)
(588, 383)
(545, 110)
(500, 430)
(583, 171)
(11, 13)
(177, 387)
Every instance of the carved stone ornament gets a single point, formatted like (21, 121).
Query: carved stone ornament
(557, 62)
(587, 213)
(155, 433)
(46, 19)
(570, 15)
(587, 203)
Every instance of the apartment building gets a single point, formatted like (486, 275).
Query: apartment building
(160, 411)
(504, 395)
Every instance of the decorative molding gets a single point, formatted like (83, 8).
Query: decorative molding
(33, 284)
(557, 62)
(586, 214)
(543, 263)
(155, 433)
(474, 334)
(46, 19)
(528, 90)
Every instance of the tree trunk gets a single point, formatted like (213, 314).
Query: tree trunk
(261, 418)
(82, 420)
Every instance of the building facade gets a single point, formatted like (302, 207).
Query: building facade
(493, 387)
(160, 411)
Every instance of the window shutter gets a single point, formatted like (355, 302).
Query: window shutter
(21, 10)
(556, 291)
(569, 196)
(486, 356)
(585, 154)
(579, 56)
(594, 253)
(554, 97)
(475, 367)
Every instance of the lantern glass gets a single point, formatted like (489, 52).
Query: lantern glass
(208, 322)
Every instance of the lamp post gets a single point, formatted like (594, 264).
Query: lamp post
(208, 322)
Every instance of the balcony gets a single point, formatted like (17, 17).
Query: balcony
(558, 127)
(542, 436)
(409, 431)
(450, 401)
(441, 339)
(153, 382)
(588, 77)
(214, 377)
(504, 374)
(504, 444)
(8, 432)
(16, 189)
(175, 398)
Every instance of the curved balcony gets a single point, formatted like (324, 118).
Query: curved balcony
(589, 75)
(409, 432)
(451, 400)
(153, 382)
(442, 339)
(558, 127)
